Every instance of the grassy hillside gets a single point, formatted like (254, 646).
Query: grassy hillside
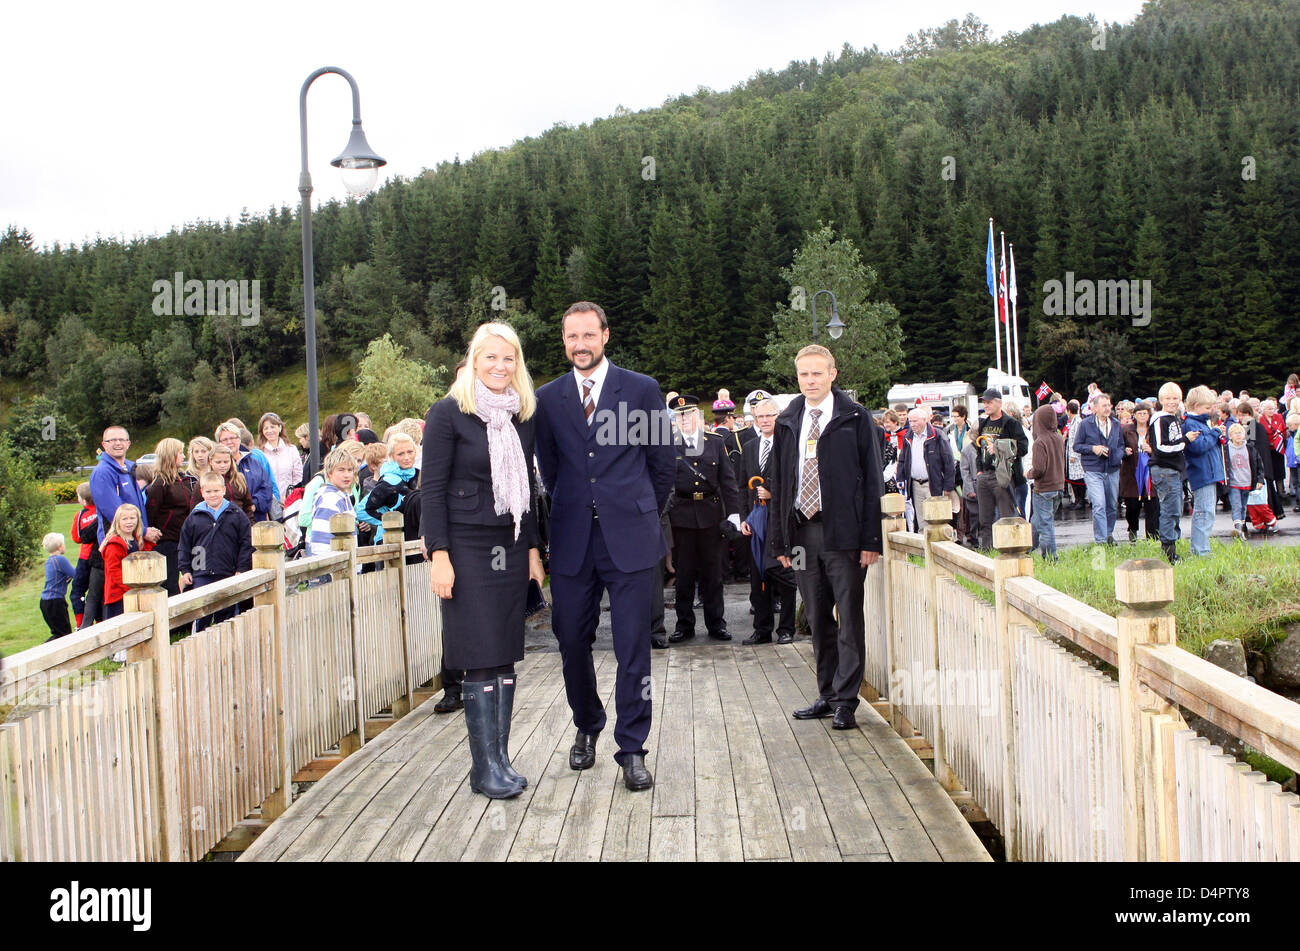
(21, 624)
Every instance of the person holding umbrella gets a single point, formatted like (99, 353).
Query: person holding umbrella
(771, 585)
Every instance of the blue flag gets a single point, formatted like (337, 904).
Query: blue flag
(988, 265)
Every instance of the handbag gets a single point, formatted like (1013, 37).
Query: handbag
(1258, 496)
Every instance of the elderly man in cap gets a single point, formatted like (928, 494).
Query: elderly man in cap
(990, 489)
(704, 495)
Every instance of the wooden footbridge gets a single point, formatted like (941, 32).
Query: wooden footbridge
(300, 731)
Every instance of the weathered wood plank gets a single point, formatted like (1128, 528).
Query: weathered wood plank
(717, 814)
(762, 833)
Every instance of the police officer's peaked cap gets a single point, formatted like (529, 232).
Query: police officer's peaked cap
(681, 404)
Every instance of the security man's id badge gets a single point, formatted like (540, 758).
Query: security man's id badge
(810, 450)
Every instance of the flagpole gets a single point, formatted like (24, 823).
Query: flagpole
(997, 335)
(1002, 280)
(1011, 296)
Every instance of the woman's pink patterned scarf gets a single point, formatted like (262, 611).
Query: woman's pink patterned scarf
(505, 454)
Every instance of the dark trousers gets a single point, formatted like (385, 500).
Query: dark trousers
(657, 601)
(774, 584)
(55, 612)
(991, 494)
(94, 606)
(575, 610)
(831, 580)
(451, 680)
(698, 557)
(225, 614)
(80, 582)
(1150, 508)
(173, 581)
(739, 557)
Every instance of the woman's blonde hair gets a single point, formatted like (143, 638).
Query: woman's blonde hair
(168, 471)
(232, 427)
(234, 478)
(462, 391)
(116, 528)
(399, 436)
(205, 443)
(410, 426)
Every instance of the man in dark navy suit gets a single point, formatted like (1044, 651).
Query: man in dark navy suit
(604, 446)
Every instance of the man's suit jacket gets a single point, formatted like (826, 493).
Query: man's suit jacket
(849, 470)
(621, 469)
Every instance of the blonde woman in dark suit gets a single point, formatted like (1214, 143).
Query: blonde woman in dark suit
(479, 522)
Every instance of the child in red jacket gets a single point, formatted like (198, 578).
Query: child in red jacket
(84, 533)
(124, 537)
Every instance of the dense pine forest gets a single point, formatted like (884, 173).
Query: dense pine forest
(1161, 150)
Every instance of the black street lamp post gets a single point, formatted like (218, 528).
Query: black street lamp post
(360, 168)
(836, 326)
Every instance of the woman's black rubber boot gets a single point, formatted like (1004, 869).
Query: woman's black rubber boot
(486, 775)
(505, 709)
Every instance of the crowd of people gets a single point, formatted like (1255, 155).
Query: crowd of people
(1156, 459)
(505, 486)
(195, 503)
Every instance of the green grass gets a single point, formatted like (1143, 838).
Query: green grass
(1248, 592)
(21, 624)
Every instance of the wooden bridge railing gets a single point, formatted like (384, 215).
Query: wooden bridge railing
(97, 766)
(1071, 759)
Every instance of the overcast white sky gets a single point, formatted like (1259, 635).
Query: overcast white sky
(131, 118)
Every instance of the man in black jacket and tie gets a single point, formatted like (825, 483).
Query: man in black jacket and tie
(774, 582)
(825, 523)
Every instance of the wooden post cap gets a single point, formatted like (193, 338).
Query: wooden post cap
(393, 521)
(1145, 583)
(345, 523)
(937, 508)
(1012, 535)
(268, 535)
(143, 569)
(892, 505)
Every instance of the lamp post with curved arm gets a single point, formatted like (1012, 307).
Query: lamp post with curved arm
(836, 326)
(360, 169)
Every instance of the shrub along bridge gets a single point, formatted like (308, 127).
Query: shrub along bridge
(1059, 724)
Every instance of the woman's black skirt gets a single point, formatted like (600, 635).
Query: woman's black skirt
(483, 621)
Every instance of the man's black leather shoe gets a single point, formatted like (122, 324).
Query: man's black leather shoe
(844, 719)
(785, 638)
(720, 636)
(658, 642)
(635, 775)
(757, 639)
(820, 710)
(582, 754)
(676, 637)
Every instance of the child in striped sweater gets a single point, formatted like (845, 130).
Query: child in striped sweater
(335, 497)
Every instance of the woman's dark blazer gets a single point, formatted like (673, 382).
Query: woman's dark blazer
(456, 476)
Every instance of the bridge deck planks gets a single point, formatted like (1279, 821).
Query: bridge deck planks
(737, 779)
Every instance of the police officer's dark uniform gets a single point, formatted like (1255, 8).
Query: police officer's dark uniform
(704, 494)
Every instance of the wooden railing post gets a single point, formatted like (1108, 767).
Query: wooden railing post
(144, 573)
(268, 552)
(936, 513)
(1013, 538)
(1145, 586)
(344, 529)
(395, 532)
(892, 507)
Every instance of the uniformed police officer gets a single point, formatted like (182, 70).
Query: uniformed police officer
(704, 495)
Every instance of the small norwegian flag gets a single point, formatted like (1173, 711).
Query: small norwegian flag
(1044, 391)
